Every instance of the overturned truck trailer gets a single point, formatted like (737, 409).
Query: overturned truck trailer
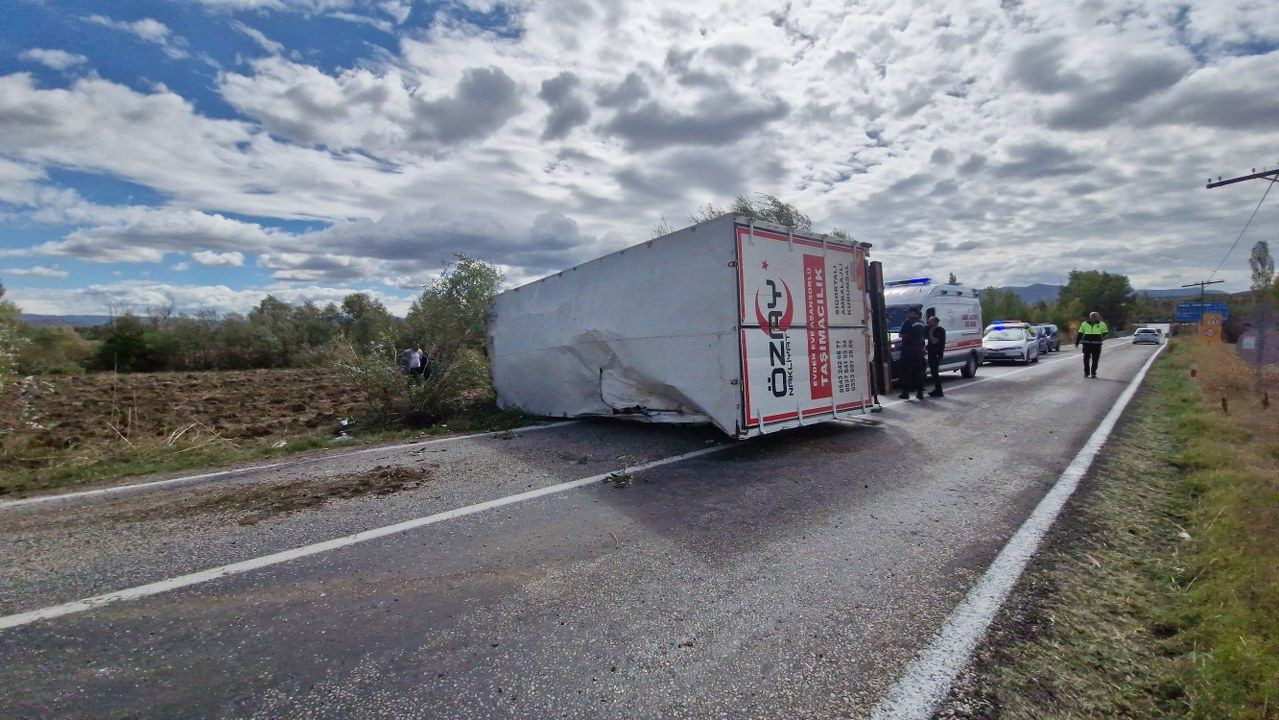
(750, 326)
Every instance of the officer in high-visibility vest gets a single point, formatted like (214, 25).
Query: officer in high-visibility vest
(1092, 333)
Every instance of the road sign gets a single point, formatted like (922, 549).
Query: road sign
(1210, 328)
(1193, 312)
(1259, 347)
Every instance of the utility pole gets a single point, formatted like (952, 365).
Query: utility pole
(1261, 307)
(1271, 175)
(1201, 284)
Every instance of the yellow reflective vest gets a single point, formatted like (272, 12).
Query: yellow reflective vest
(1090, 332)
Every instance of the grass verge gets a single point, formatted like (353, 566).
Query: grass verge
(1157, 593)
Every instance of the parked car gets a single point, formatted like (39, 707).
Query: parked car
(1054, 336)
(1017, 342)
(1148, 336)
(1045, 342)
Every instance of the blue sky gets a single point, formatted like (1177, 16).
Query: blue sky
(206, 152)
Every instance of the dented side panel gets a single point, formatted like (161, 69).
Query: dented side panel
(647, 333)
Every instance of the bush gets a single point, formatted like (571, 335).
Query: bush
(57, 350)
(447, 320)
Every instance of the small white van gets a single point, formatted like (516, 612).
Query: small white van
(959, 311)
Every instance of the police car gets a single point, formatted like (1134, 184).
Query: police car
(1011, 340)
(959, 311)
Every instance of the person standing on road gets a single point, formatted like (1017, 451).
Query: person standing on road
(913, 337)
(936, 349)
(1092, 333)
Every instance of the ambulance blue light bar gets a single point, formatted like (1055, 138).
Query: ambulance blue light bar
(912, 281)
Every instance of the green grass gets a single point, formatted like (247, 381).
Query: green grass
(1122, 616)
(86, 466)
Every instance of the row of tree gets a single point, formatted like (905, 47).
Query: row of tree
(1086, 291)
(274, 334)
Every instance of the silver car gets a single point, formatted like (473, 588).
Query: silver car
(1148, 336)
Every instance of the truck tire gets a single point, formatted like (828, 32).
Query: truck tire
(970, 368)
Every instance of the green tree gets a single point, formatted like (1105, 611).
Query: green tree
(1107, 293)
(55, 350)
(448, 320)
(763, 207)
(997, 304)
(1262, 266)
(127, 346)
(364, 319)
(12, 402)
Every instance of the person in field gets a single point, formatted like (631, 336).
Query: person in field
(415, 362)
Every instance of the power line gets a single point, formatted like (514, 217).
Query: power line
(1245, 229)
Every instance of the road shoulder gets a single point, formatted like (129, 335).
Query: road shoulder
(1110, 619)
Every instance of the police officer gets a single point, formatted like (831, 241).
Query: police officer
(913, 335)
(936, 349)
(1092, 333)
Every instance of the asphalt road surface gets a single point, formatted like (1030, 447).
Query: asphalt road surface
(792, 576)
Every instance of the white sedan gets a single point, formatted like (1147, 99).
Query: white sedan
(1147, 336)
(1019, 344)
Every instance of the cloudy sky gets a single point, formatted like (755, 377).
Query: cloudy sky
(206, 152)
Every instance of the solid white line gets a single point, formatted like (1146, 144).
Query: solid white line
(155, 588)
(145, 486)
(927, 680)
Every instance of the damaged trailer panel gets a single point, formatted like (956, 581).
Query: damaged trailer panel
(750, 326)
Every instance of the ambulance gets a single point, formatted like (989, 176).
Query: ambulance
(959, 310)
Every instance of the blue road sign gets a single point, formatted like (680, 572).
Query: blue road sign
(1193, 312)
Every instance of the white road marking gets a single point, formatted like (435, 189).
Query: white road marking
(144, 486)
(203, 576)
(927, 680)
(196, 578)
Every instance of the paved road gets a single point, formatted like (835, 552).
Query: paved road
(790, 576)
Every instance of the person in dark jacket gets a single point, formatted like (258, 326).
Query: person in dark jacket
(936, 349)
(1092, 333)
(913, 336)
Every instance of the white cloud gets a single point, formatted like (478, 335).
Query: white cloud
(35, 271)
(208, 258)
(270, 46)
(147, 30)
(137, 295)
(1007, 143)
(52, 58)
(180, 267)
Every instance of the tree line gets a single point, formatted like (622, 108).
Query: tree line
(274, 334)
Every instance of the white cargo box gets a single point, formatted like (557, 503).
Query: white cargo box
(749, 326)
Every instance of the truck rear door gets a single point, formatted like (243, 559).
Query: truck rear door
(804, 329)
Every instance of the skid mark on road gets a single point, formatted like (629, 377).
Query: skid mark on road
(928, 679)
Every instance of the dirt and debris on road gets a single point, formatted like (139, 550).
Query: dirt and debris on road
(251, 504)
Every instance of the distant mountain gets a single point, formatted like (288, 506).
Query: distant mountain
(71, 320)
(1031, 294)
(1179, 292)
